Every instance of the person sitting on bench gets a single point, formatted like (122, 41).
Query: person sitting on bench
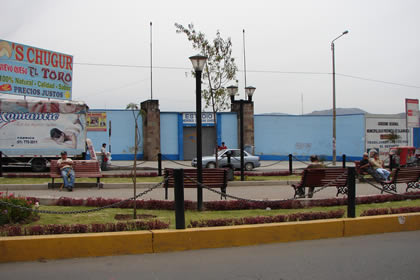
(365, 165)
(378, 165)
(66, 167)
(314, 164)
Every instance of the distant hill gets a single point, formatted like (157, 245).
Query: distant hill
(339, 111)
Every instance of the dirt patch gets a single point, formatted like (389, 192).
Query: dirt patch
(130, 216)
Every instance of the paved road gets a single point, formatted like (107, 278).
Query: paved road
(385, 256)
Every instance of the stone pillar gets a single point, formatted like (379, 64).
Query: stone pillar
(151, 129)
(248, 120)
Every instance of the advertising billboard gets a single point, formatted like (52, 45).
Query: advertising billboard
(31, 71)
(384, 132)
(96, 121)
(42, 128)
(412, 111)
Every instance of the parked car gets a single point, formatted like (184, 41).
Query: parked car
(250, 161)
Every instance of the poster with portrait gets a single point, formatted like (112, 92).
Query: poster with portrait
(96, 121)
(41, 127)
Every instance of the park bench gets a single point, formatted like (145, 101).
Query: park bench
(212, 178)
(323, 177)
(82, 169)
(358, 171)
(403, 175)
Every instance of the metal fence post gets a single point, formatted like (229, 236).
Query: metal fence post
(1, 164)
(159, 164)
(290, 164)
(391, 162)
(179, 198)
(351, 195)
(344, 161)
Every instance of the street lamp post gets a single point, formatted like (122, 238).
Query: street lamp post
(334, 109)
(249, 91)
(198, 62)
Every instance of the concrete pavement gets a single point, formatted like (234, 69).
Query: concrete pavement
(259, 190)
(379, 256)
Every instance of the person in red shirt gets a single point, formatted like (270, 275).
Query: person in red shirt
(223, 147)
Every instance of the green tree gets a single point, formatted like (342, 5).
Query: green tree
(219, 70)
(134, 107)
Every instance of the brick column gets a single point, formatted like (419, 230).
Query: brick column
(248, 120)
(151, 129)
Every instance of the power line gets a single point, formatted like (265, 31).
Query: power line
(131, 66)
(377, 81)
(254, 71)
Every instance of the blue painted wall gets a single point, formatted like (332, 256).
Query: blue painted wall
(228, 131)
(276, 136)
(169, 135)
(122, 134)
(416, 137)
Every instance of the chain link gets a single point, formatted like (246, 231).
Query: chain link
(271, 164)
(126, 166)
(254, 200)
(82, 211)
(175, 161)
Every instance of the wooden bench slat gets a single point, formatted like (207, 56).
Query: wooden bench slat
(405, 175)
(321, 177)
(82, 169)
(212, 178)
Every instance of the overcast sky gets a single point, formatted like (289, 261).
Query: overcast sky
(288, 52)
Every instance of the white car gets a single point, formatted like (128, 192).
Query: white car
(250, 161)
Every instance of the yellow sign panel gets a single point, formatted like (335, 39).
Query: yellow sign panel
(96, 121)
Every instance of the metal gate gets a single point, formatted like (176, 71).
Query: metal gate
(190, 144)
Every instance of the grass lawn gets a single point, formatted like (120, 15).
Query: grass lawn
(107, 215)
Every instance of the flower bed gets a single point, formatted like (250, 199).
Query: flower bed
(270, 219)
(17, 230)
(10, 214)
(386, 211)
(234, 204)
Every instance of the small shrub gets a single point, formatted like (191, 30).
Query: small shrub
(269, 219)
(12, 230)
(9, 214)
(64, 201)
(224, 205)
(79, 228)
(385, 211)
(98, 227)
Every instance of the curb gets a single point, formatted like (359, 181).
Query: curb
(32, 248)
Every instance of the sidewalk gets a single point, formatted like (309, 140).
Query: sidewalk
(257, 190)
(266, 165)
(251, 190)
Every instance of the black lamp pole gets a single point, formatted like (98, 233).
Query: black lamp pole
(198, 62)
(199, 138)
